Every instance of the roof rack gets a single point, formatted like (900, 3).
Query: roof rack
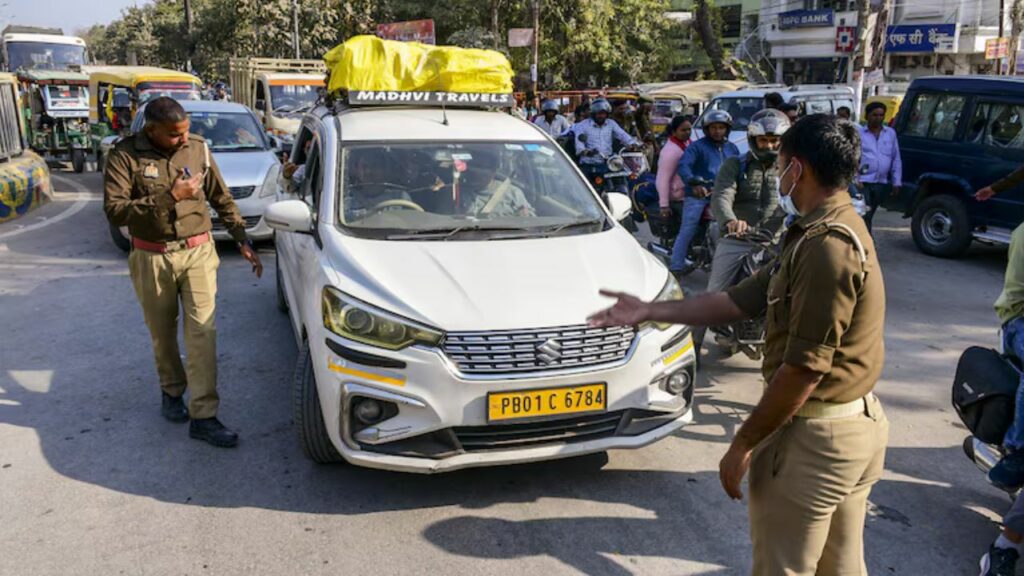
(380, 98)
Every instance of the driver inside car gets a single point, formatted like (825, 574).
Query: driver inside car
(489, 196)
(368, 184)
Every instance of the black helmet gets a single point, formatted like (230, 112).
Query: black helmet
(768, 122)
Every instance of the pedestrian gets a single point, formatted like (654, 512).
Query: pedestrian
(1001, 558)
(815, 443)
(158, 183)
(698, 169)
(551, 121)
(881, 170)
(844, 112)
(792, 111)
(774, 100)
(671, 190)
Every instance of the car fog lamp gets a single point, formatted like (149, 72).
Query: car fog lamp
(678, 383)
(368, 411)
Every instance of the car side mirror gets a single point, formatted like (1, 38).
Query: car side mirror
(620, 205)
(290, 216)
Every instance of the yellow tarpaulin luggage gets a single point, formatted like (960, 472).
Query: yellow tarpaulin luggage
(370, 63)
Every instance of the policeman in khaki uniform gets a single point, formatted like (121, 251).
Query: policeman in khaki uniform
(158, 183)
(815, 443)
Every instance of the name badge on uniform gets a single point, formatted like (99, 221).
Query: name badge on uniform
(150, 171)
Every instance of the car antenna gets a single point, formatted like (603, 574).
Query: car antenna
(444, 114)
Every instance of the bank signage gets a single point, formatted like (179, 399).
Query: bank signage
(921, 38)
(806, 19)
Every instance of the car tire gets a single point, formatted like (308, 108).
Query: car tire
(120, 240)
(282, 298)
(78, 160)
(941, 226)
(307, 412)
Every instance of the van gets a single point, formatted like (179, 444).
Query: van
(958, 134)
(743, 104)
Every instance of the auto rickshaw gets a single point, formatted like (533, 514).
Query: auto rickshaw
(117, 92)
(892, 106)
(55, 107)
(24, 176)
(686, 98)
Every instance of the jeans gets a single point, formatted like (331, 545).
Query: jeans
(693, 209)
(1013, 343)
(874, 195)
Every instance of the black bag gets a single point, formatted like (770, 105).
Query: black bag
(984, 393)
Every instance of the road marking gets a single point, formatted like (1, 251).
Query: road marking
(83, 199)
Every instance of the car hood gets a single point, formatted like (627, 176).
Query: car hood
(244, 168)
(494, 285)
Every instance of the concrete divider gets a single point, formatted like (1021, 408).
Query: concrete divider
(24, 185)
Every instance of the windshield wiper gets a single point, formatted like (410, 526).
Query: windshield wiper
(569, 225)
(446, 233)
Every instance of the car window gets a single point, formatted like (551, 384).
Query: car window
(741, 109)
(818, 106)
(309, 176)
(387, 189)
(935, 116)
(228, 131)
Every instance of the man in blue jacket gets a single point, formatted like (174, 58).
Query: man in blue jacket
(698, 169)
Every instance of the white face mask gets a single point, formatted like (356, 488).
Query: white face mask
(786, 202)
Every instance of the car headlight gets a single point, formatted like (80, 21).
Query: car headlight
(671, 291)
(269, 185)
(355, 320)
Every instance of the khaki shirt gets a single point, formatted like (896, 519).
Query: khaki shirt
(824, 308)
(137, 186)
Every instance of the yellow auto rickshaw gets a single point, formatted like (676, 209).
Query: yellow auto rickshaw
(892, 106)
(24, 176)
(686, 98)
(117, 92)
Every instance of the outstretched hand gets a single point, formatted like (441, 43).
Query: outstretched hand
(627, 311)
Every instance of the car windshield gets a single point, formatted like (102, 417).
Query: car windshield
(228, 131)
(177, 90)
(44, 56)
(741, 109)
(292, 97)
(463, 191)
(667, 108)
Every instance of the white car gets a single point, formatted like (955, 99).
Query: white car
(438, 268)
(245, 155)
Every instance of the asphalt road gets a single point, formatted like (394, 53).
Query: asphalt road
(93, 481)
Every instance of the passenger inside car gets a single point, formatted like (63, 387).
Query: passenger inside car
(370, 183)
(486, 194)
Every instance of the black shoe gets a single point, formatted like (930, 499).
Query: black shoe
(999, 562)
(173, 408)
(1008, 473)
(210, 430)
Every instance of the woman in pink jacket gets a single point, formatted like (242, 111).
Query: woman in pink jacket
(670, 185)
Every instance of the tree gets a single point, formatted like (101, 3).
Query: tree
(1016, 28)
(709, 30)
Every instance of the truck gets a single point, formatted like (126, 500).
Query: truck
(278, 90)
(54, 91)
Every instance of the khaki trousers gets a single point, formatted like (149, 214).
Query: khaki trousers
(809, 486)
(188, 277)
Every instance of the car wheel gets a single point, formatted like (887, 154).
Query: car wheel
(941, 227)
(120, 240)
(308, 416)
(282, 299)
(78, 160)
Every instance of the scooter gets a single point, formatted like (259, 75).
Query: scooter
(747, 336)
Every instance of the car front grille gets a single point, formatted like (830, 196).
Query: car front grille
(250, 221)
(239, 192)
(567, 430)
(526, 351)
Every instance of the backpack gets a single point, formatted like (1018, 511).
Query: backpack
(985, 393)
(644, 193)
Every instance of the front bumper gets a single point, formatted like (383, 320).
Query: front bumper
(256, 228)
(439, 420)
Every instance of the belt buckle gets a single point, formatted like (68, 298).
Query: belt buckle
(175, 246)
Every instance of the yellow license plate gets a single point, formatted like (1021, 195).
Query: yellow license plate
(546, 402)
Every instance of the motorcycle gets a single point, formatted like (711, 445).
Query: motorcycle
(702, 247)
(614, 174)
(747, 336)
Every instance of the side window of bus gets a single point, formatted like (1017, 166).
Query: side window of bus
(935, 116)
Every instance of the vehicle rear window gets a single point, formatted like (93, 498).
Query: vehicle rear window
(935, 116)
(997, 124)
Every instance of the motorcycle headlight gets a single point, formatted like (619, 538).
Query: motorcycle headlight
(671, 291)
(616, 164)
(355, 320)
(269, 185)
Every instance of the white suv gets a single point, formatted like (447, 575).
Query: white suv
(438, 268)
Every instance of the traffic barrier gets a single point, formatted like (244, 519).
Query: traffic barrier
(24, 185)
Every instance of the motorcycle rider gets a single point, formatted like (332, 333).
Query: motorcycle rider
(699, 165)
(601, 133)
(551, 121)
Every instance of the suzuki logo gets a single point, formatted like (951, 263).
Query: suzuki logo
(549, 352)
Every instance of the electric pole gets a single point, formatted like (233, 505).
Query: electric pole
(535, 70)
(295, 28)
(189, 46)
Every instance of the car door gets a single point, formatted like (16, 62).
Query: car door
(994, 144)
(929, 137)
